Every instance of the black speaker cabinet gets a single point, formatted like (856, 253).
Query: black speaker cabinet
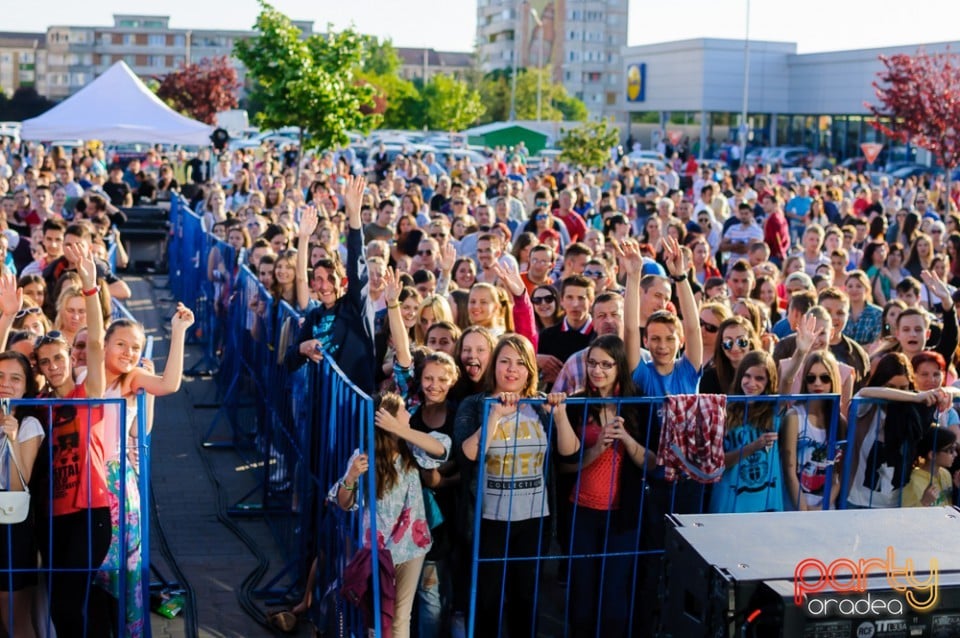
(858, 574)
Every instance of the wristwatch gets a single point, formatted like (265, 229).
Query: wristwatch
(678, 278)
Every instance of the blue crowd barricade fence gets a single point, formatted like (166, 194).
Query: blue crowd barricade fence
(91, 547)
(530, 519)
(119, 311)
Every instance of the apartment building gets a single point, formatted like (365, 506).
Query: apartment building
(581, 41)
(77, 54)
(23, 62)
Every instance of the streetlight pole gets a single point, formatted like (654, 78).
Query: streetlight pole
(744, 128)
(539, 23)
(513, 76)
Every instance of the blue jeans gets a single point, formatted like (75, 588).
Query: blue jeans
(600, 588)
(430, 600)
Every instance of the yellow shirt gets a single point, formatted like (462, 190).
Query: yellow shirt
(920, 480)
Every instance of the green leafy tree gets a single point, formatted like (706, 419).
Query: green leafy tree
(556, 104)
(450, 104)
(402, 103)
(589, 144)
(307, 82)
(379, 57)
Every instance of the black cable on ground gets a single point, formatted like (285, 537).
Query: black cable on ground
(191, 623)
(249, 584)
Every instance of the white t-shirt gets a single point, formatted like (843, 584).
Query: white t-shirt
(30, 428)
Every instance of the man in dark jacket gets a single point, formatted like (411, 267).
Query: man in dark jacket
(341, 326)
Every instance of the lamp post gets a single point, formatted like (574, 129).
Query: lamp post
(539, 23)
(744, 128)
(513, 75)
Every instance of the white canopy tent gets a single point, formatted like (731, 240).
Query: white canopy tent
(116, 107)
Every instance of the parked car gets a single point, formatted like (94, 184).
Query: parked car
(916, 170)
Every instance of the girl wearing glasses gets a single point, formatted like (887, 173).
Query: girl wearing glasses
(607, 494)
(31, 319)
(752, 480)
(546, 311)
(736, 337)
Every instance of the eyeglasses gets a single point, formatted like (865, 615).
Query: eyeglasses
(438, 236)
(950, 449)
(740, 342)
(709, 327)
(458, 202)
(424, 253)
(541, 202)
(33, 310)
(603, 365)
(936, 231)
(540, 217)
(593, 274)
(812, 378)
(543, 300)
(54, 336)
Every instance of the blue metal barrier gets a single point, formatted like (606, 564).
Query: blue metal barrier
(523, 551)
(111, 572)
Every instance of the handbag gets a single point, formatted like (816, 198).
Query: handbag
(14, 506)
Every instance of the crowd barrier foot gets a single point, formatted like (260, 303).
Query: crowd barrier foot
(275, 594)
(222, 413)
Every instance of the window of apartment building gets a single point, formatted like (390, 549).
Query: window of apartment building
(157, 61)
(78, 79)
(87, 59)
(178, 61)
(179, 41)
(131, 60)
(574, 56)
(611, 98)
(574, 14)
(5, 58)
(592, 76)
(156, 40)
(129, 39)
(154, 24)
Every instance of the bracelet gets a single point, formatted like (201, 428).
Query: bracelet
(91, 292)
(348, 488)
(678, 278)
(396, 305)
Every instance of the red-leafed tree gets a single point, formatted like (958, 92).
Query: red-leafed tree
(921, 96)
(201, 89)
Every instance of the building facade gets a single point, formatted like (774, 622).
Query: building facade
(147, 43)
(818, 100)
(23, 62)
(423, 64)
(580, 41)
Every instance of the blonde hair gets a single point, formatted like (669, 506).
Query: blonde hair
(69, 292)
(441, 312)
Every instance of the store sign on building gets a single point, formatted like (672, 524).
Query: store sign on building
(636, 82)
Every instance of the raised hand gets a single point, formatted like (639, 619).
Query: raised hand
(388, 422)
(628, 252)
(807, 333)
(935, 285)
(391, 287)
(11, 297)
(509, 278)
(308, 224)
(182, 318)
(353, 195)
(676, 264)
(448, 257)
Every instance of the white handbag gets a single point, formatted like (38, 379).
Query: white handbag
(14, 506)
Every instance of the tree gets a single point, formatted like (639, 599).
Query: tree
(201, 89)
(921, 96)
(556, 104)
(402, 103)
(379, 57)
(24, 104)
(310, 83)
(589, 144)
(450, 104)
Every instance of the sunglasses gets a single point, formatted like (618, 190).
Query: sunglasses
(539, 217)
(740, 342)
(438, 235)
(812, 378)
(709, 327)
(424, 253)
(34, 310)
(54, 336)
(541, 202)
(545, 299)
(458, 202)
(593, 274)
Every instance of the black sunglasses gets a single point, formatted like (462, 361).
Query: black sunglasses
(709, 327)
(740, 342)
(424, 253)
(812, 378)
(545, 299)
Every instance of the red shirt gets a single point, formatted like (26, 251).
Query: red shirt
(79, 472)
(776, 232)
(598, 478)
(576, 227)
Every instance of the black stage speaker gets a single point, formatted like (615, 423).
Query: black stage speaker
(737, 576)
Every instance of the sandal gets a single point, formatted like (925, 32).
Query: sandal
(284, 620)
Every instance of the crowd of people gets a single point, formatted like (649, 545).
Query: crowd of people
(60, 567)
(443, 290)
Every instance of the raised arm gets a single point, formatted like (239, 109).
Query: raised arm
(81, 255)
(402, 430)
(173, 370)
(353, 196)
(679, 272)
(806, 334)
(11, 302)
(631, 262)
(398, 330)
(523, 321)
(308, 224)
(949, 336)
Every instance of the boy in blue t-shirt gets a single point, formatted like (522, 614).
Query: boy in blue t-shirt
(665, 334)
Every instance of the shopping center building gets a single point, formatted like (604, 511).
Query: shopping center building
(815, 99)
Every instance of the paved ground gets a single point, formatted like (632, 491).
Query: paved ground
(214, 561)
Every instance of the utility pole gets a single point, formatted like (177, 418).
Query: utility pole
(744, 127)
(517, 27)
(539, 23)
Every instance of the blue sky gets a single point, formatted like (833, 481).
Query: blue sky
(816, 25)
